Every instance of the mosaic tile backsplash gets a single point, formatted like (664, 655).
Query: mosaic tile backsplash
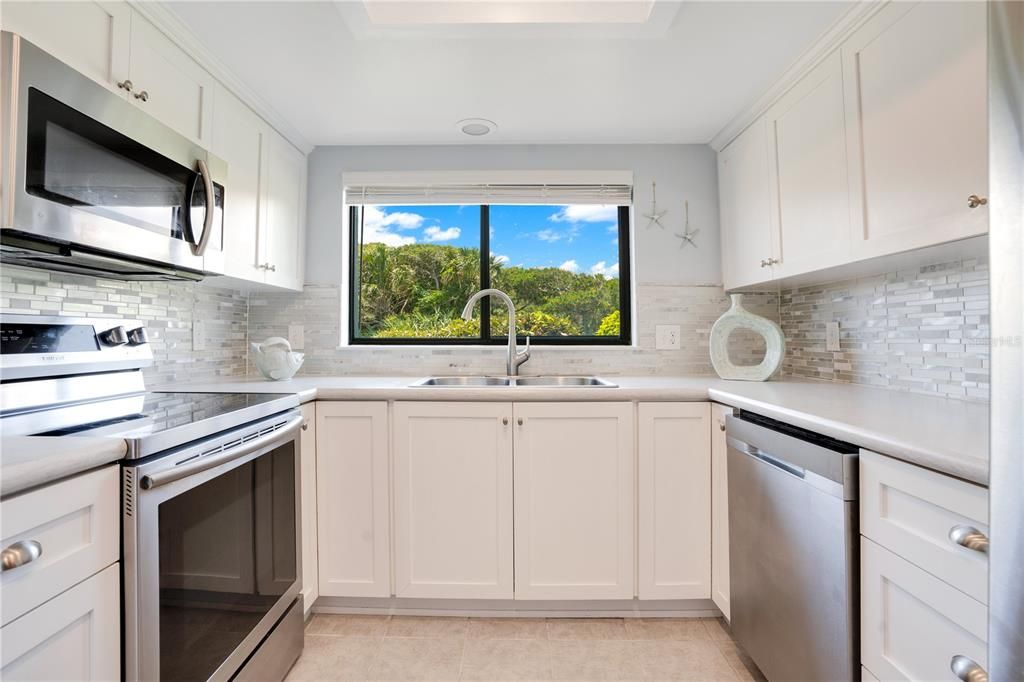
(924, 330)
(167, 308)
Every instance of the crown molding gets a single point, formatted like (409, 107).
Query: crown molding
(830, 40)
(175, 29)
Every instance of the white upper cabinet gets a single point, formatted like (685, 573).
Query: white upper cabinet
(169, 84)
(239, 139)
(453, 500)
(574, 501)
(745, 209)
(808, 170)
(915, 80)
(91, 37)
(283, 241)
(674, 493)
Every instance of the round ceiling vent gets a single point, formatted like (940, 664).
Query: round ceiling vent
(476, 127)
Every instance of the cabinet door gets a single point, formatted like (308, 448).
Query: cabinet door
(238, 139)
(453, 500)
(916, 106)
(353, 540)
(807, 165)
(74, 636)
(745, 208)
(912, 623)
(285, 198)
(91, 37)
(574, 482)
(307, 505)
(674, 472)
(178, 92)
(719, 510)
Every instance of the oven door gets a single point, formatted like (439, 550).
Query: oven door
(96, 176)
(211, 551)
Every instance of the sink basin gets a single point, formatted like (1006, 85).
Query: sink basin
(483, 382)
(574, 382)
(472, 382)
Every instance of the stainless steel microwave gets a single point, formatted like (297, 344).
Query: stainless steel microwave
(94, 185)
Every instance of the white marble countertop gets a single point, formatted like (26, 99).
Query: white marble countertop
(950, 436)
(29, 461)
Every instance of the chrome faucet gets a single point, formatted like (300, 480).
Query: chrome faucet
(515, 356)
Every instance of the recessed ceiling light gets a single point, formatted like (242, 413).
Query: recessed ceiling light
(476, 127)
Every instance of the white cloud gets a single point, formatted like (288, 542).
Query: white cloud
(500, 259)
(377, 224)
(549, 236)
(601, 268)
(569, 235)
(436, 234)
(569, 266)
(586, 213)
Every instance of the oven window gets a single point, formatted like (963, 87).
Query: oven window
(227, 554)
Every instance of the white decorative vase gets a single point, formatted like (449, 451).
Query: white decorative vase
(738, 317)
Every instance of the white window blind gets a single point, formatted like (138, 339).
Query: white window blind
(370, 188)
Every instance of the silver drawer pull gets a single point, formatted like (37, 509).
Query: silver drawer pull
(967, 670)
(21, 553)
(969, 537)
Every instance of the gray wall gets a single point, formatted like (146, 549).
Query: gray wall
(683, 172)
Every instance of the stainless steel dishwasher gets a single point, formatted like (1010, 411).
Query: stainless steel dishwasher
(793, 550)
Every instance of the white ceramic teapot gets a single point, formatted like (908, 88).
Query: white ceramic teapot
(275, 359)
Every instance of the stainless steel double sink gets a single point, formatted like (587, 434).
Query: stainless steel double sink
(509, 382)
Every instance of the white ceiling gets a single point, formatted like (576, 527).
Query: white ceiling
(341, 74)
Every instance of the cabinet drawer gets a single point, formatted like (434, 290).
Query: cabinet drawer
(76, 636)
(75, 522)
(913, 512)
(913, 624)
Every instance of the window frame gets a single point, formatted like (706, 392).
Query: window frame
(625, 337)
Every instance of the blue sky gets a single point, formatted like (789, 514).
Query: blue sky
(578, 238)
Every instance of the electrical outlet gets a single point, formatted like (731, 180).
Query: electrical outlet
(832, 336)
(666, 337)
(198, 335)
(296, 336)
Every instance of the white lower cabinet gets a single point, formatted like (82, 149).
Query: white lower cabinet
(453, 500)
(74, 636)
(352, 499)
(307, 508)
(574, 504)
(674, 494)
(912, 623)
(720, 509)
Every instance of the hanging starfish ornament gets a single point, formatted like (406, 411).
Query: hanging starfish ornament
(688, 233)
(655, 216)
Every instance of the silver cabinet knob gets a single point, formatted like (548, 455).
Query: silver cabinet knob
(721, 426)
(504, 421)
(125, 85)
(115, 336)
(305, 425)
(144, 96)
(967, 669)
(520, 421)
(269, 267)
(764, 263)
(974, 201)
(20, 553)
(969, 537)
(138, 336)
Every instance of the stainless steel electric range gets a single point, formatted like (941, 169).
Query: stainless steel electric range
(210, 522)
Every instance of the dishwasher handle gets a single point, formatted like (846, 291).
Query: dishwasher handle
(811, 478)
(777, 462)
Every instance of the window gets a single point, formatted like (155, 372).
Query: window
(414, 266)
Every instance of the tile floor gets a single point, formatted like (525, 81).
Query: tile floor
(424, 648)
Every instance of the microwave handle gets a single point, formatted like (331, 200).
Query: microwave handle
(199, 248)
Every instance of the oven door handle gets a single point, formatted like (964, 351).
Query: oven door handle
(278, 437)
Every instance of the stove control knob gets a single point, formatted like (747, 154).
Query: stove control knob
(115, 336)
(138, 336)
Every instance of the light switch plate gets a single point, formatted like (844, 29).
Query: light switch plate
(832, 336)
(198, 335)
(666, 337)
(296, 336)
